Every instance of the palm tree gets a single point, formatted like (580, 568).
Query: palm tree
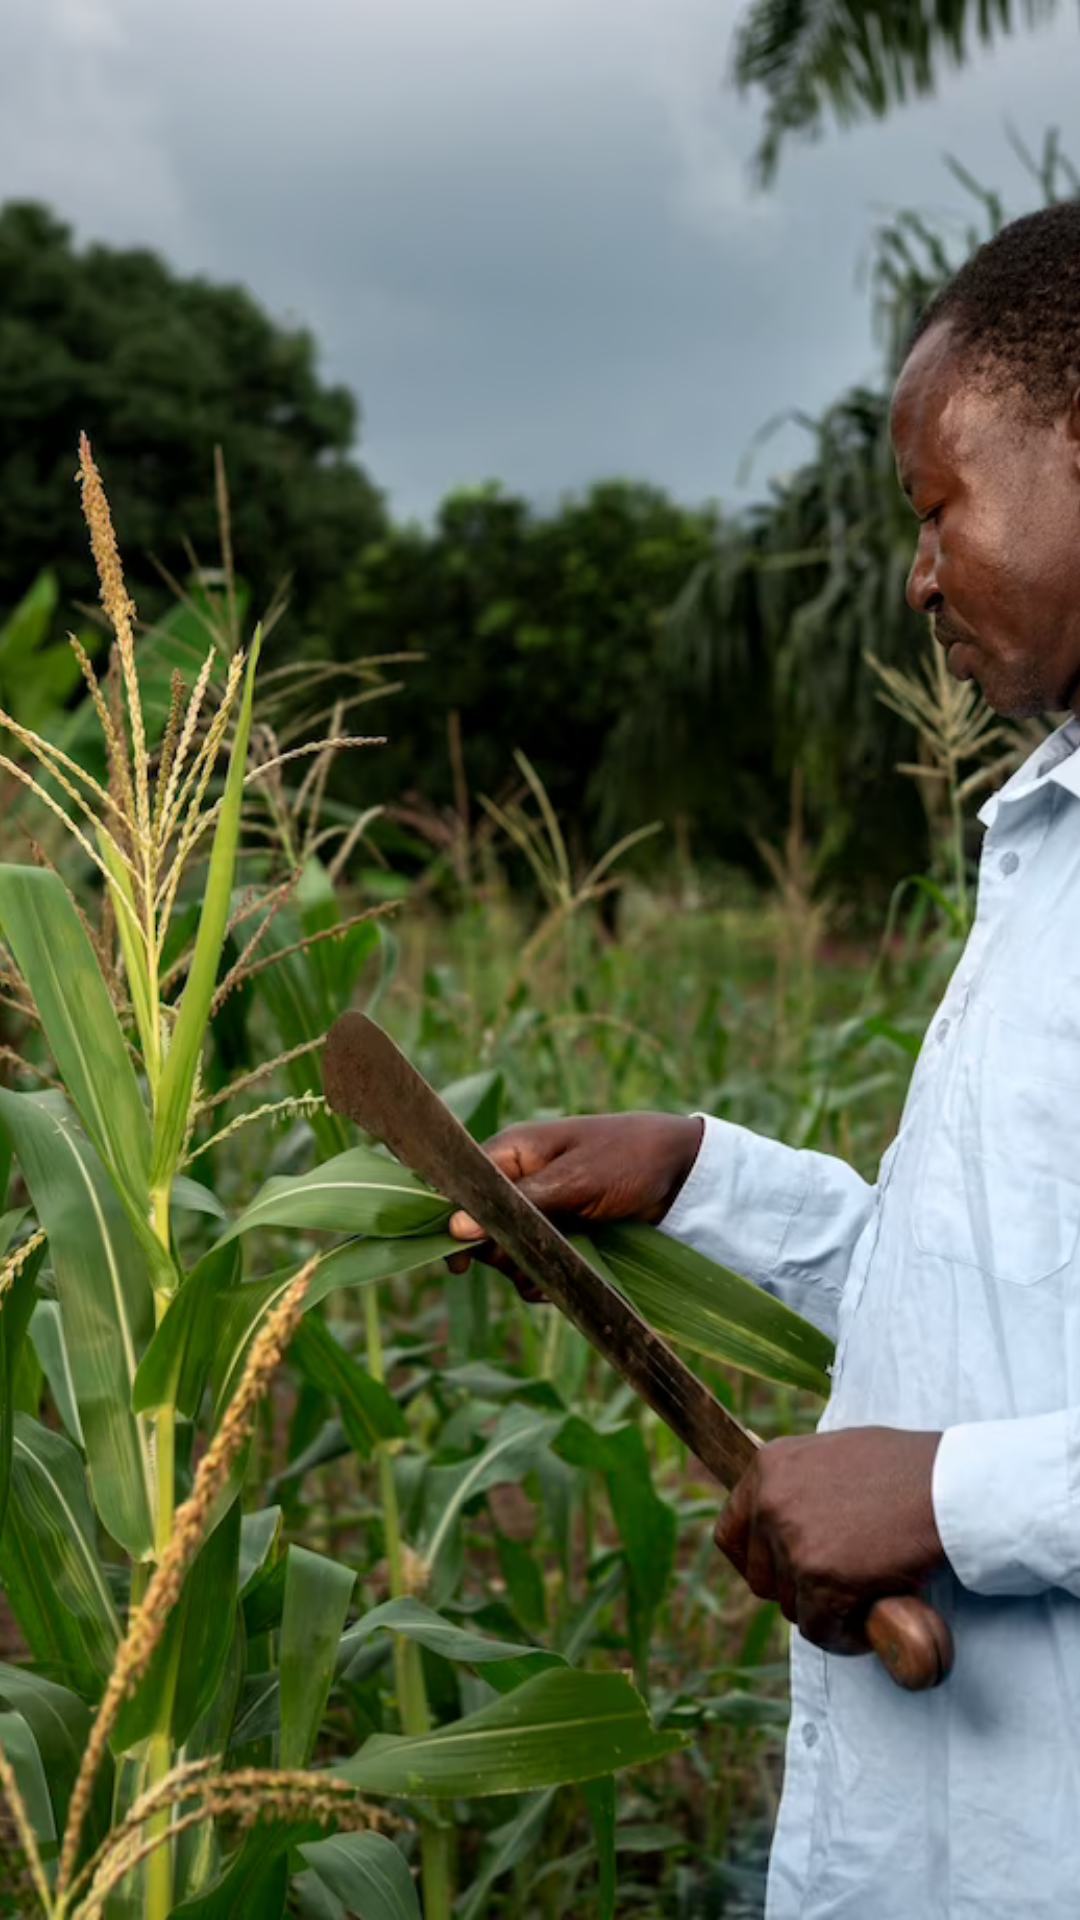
(760, 668)
(858, 57)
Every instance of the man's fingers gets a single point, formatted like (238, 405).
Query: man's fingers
(731, 1532)
(830, 1619)
(462, 1226)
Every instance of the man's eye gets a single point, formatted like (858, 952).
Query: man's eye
(927, 519)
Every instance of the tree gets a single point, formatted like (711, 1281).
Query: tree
(778, 622)
(856, 58)
(535, 630)
(160, 369)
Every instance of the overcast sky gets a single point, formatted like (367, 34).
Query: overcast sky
(522, 230)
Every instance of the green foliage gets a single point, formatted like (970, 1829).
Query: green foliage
(535, 628)
(862, 57)
(242, 1713)
(161, 369)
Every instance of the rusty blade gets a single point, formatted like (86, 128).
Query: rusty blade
(369, 1080)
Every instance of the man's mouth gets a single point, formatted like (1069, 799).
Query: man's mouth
(959, 648)
(959, 660)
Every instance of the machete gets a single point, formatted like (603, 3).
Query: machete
(369, 1080)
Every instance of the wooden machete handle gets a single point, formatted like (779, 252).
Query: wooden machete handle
(912, 1642)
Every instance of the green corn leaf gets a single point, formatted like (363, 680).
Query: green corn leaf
(191, 1656)
(701, 1306)
(600, 1800)
(521, 1434)
(510, 1845)
(190, 1196)
(317, 1595)
(477, 1101)
(60, 1723)
(57, 962)
(359, 1191)
(185, 1048)
(260, 1533)
(255, 1881)
(176, 1365)
(647, 1525)
(367, 1873)
(47, 1335)
(559, 1727)
(503, 1664)
(21, 1749)
(305, 992)
(359, 1263)
(49, 1562)
(16, 1313)
(136, 962)
(313, 1900)
(106, 1304)
(369, 1412)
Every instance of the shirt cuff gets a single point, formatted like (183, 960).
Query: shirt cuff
(739, 1199)
(1001, 1502)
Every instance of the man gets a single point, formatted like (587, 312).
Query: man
(949, 1456)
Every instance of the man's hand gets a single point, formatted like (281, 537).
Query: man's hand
(609, 1166)
(829, 1523)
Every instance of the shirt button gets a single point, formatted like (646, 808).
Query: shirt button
(1009, 863)
(809, 1734)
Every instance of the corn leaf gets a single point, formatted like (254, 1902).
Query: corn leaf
(369, 1411)
(16, 1312)
(503, 1663)
(477, 1101)
(21, 1750)
(176, 1365)
(647, 1525)
(57, 962)
(559, 1727)
(521, 1434)
(359, 1263)
(106, 1304)
(367, 1873)
(712, 1312)
(305, 992)
(600, 1800)
(136, 964)
(317, 1595)
(255, 1881)
(60, 1723)
(185, 1048)
(49, 1564)
(47, 1338)
(190, 1658)
(511, 1844)
(359, 1191)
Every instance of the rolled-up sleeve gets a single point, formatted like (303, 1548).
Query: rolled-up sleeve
(787, 1219)
(1007, 1502)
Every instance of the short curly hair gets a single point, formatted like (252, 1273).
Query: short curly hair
(1015, 308)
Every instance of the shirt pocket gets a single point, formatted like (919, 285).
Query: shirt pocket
(998, 1186)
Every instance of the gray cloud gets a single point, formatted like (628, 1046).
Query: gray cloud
(524, 234)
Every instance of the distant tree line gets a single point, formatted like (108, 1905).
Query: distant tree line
(653, 660)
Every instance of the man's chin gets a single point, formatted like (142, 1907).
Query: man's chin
(1012, 703)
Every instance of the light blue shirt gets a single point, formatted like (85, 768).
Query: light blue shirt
(952, 1287)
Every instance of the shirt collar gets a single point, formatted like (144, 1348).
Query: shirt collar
(1055, 759)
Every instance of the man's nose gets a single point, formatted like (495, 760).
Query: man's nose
(923, 593)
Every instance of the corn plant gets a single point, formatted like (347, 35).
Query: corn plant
(204, 1695)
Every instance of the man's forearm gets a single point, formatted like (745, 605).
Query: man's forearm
(785, 1219)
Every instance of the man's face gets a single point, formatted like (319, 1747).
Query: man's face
(998, 557)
